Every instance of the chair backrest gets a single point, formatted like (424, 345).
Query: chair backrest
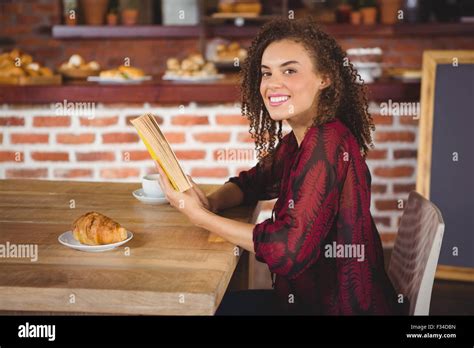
(415, 254)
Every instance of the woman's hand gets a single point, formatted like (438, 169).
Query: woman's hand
(191, 202)
(202, 196)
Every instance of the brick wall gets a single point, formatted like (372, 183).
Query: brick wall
(29, 23)
(38, 143)
(211, 142)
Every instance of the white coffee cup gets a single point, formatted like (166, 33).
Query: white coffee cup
(151, 186)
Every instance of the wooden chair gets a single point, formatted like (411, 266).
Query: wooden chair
(415, 254)
(259, 275)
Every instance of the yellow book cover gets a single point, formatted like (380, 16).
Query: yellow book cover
(147, 121)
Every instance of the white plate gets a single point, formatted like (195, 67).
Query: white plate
(67, 239)
(192, 78)
(117, 79)
(140, 195)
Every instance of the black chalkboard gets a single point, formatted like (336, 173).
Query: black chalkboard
(452, 182)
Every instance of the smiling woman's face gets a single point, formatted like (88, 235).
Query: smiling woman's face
(290, 84)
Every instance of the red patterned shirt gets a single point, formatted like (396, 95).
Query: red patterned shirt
(321, 241)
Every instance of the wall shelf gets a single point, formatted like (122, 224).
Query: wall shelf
(250, 30)
(166, 92)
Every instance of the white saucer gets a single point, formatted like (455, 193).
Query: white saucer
(140, 195)
(67, 239)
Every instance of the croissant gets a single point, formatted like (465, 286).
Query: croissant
(95, 229)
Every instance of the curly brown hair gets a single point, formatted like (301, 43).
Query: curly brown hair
(344, 99)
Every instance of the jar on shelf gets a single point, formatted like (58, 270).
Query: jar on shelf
(389, 11)
(94, 11)
(368, 10)
(343, 12)
(129, 12)
(70, 12)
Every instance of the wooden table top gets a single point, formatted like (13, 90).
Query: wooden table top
(169, 267)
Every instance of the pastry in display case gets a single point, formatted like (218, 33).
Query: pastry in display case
(121, 74)
(77, 68)
(192, 68)
(238, 8)
(19, 68)
(226, 54)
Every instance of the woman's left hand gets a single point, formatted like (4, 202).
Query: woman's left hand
(187, 202)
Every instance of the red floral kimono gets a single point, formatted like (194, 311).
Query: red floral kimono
(321, 218)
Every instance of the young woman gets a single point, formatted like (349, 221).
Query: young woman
(321, 242)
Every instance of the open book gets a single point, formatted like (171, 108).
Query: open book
(160, 151)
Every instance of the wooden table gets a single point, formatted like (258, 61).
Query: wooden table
(172, 267)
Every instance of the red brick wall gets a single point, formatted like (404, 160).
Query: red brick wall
(36, 143)
(29, 22)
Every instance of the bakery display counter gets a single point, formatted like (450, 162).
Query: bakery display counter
(225, 90)
(155, 90)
